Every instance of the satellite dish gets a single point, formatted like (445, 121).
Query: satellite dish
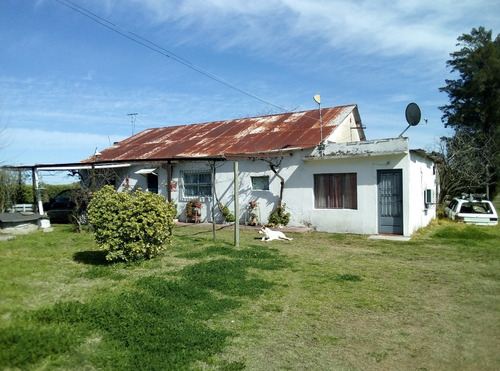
(317, 98)
(413, 114)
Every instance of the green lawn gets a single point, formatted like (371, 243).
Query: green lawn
(320, 302)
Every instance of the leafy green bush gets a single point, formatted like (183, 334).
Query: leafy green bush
(226, 213)
(131, 225)
(279, 217)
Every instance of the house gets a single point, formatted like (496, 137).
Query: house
(328, 175)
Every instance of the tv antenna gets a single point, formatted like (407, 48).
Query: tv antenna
(134, 119)
(413, 115)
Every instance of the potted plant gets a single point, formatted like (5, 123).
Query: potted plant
(253, 213)
(176, 216)
(193, 210)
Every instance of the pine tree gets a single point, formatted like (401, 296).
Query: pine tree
(474, 108)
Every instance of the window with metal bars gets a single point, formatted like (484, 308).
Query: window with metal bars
(260, 183)
(197, 184)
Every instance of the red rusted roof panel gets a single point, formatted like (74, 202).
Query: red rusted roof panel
(232, 137)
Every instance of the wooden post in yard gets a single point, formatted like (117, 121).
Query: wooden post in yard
(213, 201)
(236, 207)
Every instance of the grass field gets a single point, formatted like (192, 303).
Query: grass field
(320, 302)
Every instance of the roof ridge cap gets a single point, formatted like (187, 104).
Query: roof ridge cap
(251, 117)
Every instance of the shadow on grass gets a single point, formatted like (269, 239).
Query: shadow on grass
(91, 257)
(160, 323)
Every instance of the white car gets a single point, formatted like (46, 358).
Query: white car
(472, 209)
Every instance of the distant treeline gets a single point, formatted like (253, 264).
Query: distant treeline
(13, 191)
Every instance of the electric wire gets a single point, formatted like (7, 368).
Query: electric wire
(160, 50)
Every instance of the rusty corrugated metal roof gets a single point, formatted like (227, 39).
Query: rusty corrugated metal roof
(244, 136)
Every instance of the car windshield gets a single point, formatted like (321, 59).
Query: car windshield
(476, 208)
(62, 197)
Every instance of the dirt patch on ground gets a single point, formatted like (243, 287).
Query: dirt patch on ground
(248, 227)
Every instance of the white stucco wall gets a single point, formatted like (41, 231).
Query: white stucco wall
(423, 176)
(267, 199)
(128, 178)
(364, 220)
(348, 131)
(298, 171)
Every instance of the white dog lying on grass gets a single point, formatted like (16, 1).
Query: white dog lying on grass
(270, 235)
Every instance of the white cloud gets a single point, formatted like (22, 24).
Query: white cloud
(401, 27)
(378, 53)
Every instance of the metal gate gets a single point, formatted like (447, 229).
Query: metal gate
(390, 201)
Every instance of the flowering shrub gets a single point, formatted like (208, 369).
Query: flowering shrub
(131, 225)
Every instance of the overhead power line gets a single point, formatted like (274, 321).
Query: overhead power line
(160, 50)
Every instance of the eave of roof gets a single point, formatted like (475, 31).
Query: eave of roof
(246, 137)
(67, 166)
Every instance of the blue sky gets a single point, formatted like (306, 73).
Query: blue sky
(67, 83)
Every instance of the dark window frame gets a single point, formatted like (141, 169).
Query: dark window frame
(336, 191)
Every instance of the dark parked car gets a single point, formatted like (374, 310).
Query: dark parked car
(67, 204)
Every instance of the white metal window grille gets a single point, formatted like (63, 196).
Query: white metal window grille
(197, 184)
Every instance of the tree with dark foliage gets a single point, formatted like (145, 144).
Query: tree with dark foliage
(472, 154)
